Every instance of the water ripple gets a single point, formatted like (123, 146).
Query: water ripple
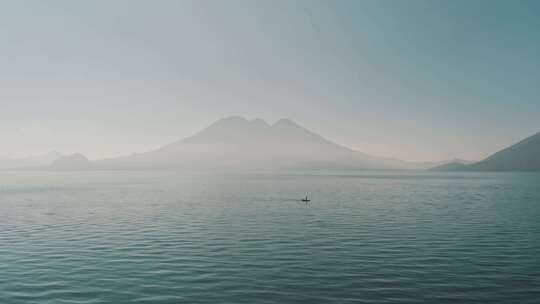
(142, 237)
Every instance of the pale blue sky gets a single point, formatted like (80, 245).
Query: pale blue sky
(416, 80)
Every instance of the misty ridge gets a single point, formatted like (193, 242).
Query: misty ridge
(31, 161)
(235, 143)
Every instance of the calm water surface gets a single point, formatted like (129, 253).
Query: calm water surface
(387, 237)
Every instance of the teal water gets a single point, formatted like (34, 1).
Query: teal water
(366, 237)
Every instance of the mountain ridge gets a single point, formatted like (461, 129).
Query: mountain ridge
(521, 156)
(236, 142)
(40, 160)
(75, 161)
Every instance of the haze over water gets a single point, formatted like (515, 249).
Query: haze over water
(366, 237)
(158, 151)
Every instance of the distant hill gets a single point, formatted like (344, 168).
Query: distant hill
(453, 166)
(523, 156)
(30, 162)
(238, 143)
(75, 161)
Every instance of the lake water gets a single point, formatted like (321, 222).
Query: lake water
(366, 237)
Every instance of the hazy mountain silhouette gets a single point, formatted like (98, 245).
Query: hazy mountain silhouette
(453, 166)
(31, 161)
(238, 143)
(75, 161)
(523, 156)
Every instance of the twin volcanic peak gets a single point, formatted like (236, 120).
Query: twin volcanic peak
(75, 161)
(238, 143)
(238, 130)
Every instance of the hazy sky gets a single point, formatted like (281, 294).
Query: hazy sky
(416, 80)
